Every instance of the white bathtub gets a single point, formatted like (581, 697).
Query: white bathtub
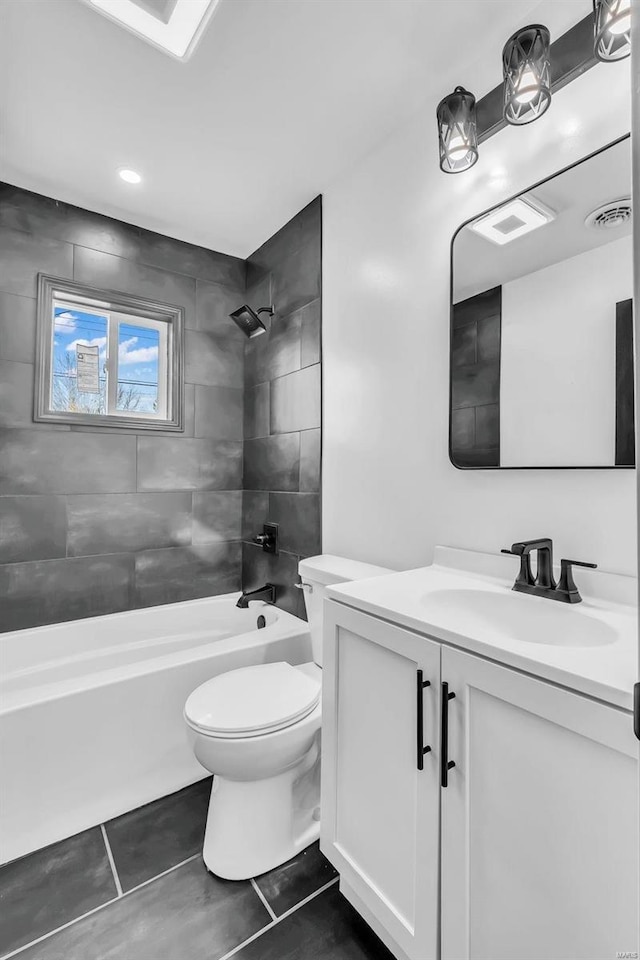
(91, 711)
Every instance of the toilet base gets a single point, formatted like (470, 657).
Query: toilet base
(255, 825)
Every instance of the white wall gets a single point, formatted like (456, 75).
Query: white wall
(389, 491)
(558, 360)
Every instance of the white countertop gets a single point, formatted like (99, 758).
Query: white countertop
(605, 667)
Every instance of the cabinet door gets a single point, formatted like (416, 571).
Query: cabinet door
(380, 812)
(539, 820)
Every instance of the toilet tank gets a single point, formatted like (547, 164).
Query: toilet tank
(318, 573)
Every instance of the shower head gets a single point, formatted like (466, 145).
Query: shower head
(249, 321)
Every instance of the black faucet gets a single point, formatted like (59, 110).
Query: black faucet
(266, 593)
(544, 584)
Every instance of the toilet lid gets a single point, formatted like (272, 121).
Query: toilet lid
(252, 700)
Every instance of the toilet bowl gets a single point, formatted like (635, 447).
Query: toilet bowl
(257, 729)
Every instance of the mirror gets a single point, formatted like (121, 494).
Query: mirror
(541, 370)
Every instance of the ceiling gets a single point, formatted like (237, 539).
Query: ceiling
(279, 97)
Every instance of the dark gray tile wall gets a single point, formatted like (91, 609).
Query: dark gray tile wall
(282, 406)
(94, 520)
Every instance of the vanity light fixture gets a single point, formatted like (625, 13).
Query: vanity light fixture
(527, 74)
(457, 131)
(512, 220)
(612, 29)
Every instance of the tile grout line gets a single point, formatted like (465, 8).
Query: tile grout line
(116, 878)
(102, 906)
(274, 923)
(263, 898)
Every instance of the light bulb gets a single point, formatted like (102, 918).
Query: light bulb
(458, 148)
(621, 16)
(528, 87)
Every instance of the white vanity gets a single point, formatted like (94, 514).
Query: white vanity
(480, 781)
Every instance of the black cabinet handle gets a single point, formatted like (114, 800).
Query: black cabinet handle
(421, 750)
(445, 763)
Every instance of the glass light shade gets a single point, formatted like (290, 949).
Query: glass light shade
(527, 74)
(457, 131)
(612, 29)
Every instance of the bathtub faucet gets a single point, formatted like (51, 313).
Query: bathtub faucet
(266, 593)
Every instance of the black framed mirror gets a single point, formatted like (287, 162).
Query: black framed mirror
(541, 358)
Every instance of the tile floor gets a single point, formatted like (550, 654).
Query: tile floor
(136, 889)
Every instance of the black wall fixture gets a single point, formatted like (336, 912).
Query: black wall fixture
(457, 131)
(612, 29)
(527, 74)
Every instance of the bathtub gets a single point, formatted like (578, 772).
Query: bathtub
(91, 719)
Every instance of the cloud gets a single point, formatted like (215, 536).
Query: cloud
(96, 342)
(69, 320)
(138, 355)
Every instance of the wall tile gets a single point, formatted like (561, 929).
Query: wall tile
(32, 528)
(214, 303)
(489, 338)
(219, 412)
(272, 463)
(16, 394)
(488, 425)
(255, 512)
(463, 429)
(217, 515)
(475, 384)
(186, 573)
(284, 348)
(110, 523)
(53, 591)
(304, 228)
(24, 255)
(115, 273)
(296, 280)
(310, 318)
(17, 328)
(310, 441)
(298, 519)
(39, 461)
(280, 569)
(257, 416)
(180, 257)
(464, 344)
(213, 361)
(295, 401)
(186, 464)
(256, 360)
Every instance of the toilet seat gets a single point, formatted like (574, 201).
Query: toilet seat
(252, 701)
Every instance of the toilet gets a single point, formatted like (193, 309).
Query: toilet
(257, 730)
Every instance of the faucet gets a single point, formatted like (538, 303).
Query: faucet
(266, 593)
(544, 584)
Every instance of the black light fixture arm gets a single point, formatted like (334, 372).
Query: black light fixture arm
(270, 310)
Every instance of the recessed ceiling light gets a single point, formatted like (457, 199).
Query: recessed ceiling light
(174, 26)
(130, 176)
(512, 220)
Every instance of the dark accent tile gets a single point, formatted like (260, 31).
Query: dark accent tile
(188, 464)
(295, 880)
(257, 407)
(167, 253)
(219, 412)
(302, 229)
(54, 591)
(214, 303)
(284, 345)
(217, 515)
(488, 425)
(272, 463)
(310, 321)
(147, 841)
(280, 569)
(298, 519)
(489, 338)
(212, 360)
(16, 394)
(295, 401)
(464, 345)
(186, 915)
(32, 528)
(326, 928)
(310, 460)
(43, 461)
(476, 384)
(115, 273)
(17, 328)
(255, 512)
(256, 360)
(296, 280)
(24, 255)
(106, 523)
(186, 573)
(463, 429)
(53, 886)
(485, 304)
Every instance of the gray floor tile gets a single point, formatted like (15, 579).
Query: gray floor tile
(186, 915)
(295, 880)
(53, 886)
(147, 841)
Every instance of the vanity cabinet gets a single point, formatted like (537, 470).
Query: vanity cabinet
(530, 850)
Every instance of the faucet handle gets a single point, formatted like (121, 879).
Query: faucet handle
(567, 584)
(525, 575)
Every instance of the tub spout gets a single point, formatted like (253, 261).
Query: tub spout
(266, 593)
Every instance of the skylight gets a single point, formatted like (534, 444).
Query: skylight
(174, 26)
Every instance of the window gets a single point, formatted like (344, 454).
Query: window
(107, 359)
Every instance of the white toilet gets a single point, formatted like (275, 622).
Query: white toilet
(257, 730)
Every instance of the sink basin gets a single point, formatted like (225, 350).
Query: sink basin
(517, 616)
